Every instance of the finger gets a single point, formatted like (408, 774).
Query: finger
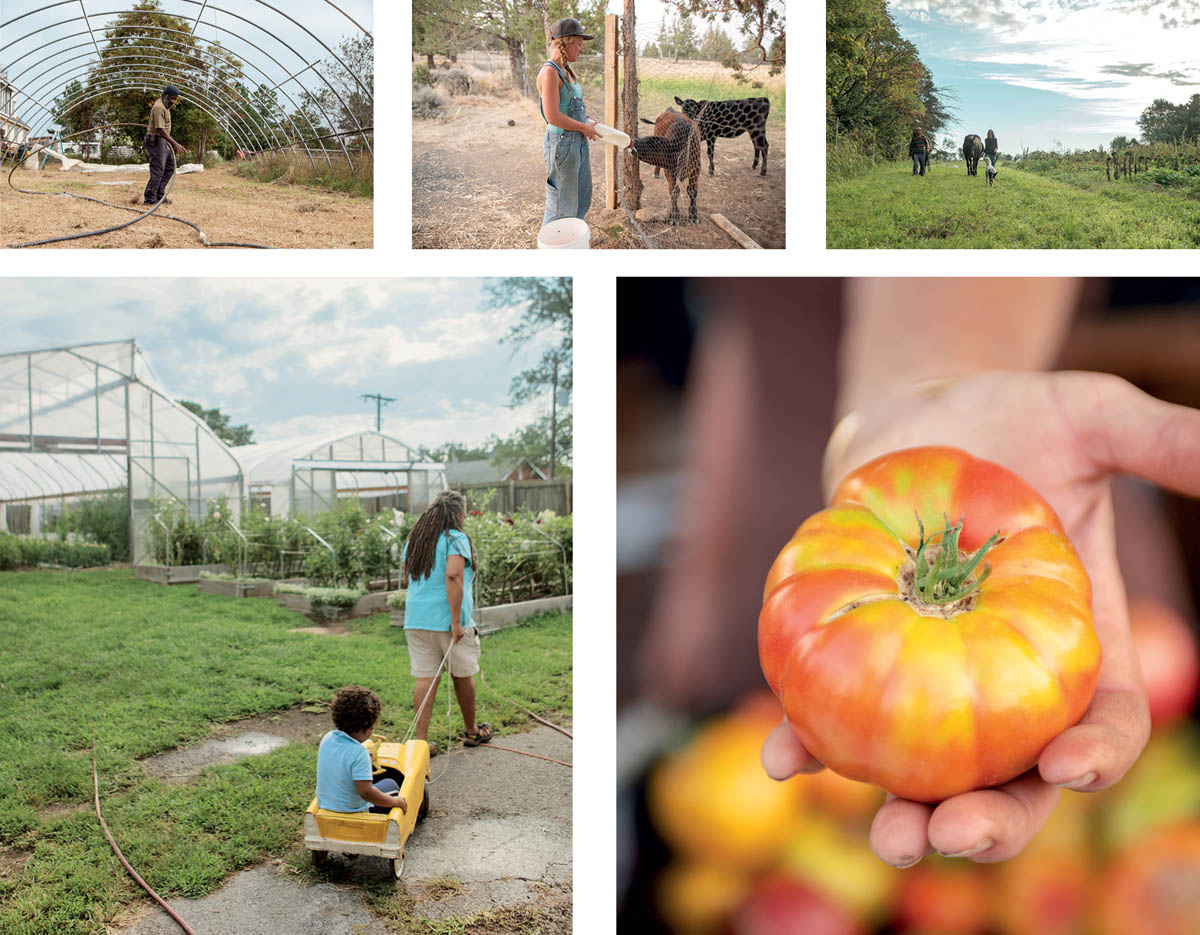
(899, 832)
(988, 825)
(1099, 750)
(1126, 430)
(783, 755)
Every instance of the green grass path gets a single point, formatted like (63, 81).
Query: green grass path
(148, 668)
(889, 208)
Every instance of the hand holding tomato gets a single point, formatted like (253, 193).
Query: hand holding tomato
(1065, 434)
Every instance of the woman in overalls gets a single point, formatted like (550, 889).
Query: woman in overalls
(568, 162)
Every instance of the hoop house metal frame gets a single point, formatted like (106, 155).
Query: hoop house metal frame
(87, 418)
(41, 73)
(305, 475)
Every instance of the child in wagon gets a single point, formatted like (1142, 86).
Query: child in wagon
(343, 763)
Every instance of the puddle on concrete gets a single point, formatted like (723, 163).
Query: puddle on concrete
(181, 765)
(236, 739)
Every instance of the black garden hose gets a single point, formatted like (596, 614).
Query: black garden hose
(142, 215)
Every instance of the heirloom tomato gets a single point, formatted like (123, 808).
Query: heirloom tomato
(931, 631)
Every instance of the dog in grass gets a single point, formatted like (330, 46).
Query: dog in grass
(991, 173)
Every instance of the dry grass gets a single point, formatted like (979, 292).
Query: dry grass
(226, 206)
(479, 184)
(356, 177)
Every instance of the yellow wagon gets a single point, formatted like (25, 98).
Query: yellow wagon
(376, 835)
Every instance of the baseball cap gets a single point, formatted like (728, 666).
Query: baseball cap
(171, 90)
(567, 27)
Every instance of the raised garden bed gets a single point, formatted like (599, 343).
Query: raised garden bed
(235, 588)
(373, 603)
(177, 574)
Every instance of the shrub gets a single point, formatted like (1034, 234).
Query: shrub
(421, 77)
(428, 103)
(289, 587)
(52, 552)
(516, 562)
(397, 599)
(103, 519)
(10, 552)
(456, 81)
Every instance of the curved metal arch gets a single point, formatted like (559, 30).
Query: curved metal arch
(324, 113)
(175, 32)
(218, 87)
(240, 135)
(315, 70)
(148, 80)
(326, 116)
(64, 80)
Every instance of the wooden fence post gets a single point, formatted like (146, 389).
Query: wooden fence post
(610, 108)
(629, 97)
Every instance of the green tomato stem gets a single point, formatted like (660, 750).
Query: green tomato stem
(948, 578)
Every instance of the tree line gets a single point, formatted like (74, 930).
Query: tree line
(519, 29)
(877, 89)
(1164, 122)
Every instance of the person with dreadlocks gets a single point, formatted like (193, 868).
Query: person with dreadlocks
(439, 568)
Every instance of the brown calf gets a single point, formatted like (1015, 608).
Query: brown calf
(678, 152)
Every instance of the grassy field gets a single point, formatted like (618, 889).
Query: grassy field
(147, 668)
(887, 208)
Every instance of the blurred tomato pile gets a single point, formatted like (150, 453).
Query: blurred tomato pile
(750, 856)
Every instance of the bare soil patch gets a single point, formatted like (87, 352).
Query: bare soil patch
(12, 861)
(479, 183)
(224, 205)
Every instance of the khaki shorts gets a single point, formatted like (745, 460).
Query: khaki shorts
(427, 647)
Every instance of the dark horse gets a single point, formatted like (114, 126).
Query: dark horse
(972, 150)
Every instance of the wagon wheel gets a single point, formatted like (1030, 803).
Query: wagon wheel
(397, 867)
(318, 857)
(424, 809)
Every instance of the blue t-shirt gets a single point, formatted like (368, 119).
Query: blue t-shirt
(427, 606)
(340, 761)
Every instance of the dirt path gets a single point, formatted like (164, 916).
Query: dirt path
(478, 183)
(226, 206)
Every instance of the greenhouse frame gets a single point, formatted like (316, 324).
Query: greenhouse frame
(89, 418)
(310, 474)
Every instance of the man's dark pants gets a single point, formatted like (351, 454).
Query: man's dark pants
(920, 159)
(162, 167)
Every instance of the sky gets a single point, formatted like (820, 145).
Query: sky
(1047, 72)
(293, 357)
(45, 81)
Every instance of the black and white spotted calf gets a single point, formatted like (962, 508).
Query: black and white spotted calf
(731, 118)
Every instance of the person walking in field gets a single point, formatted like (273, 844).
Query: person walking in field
(439, 568)
(991, 148)
(918, 149)
(161, 148)
(568, 129)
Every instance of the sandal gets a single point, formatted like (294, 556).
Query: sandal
(483, 734)
(434, 749)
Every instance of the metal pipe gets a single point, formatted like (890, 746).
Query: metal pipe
(203, 5)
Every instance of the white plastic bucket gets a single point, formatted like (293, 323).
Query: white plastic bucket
(565, 234)
(612, 136)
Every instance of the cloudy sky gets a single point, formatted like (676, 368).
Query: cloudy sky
(41, 73)
(294, 357)
(1039, 71)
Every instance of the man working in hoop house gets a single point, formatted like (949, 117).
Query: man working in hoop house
(160, 146)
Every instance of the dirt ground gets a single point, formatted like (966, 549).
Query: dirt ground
(479, 183)
(224, 205)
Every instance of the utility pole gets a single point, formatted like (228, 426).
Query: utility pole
(553, 414)
(380, 401)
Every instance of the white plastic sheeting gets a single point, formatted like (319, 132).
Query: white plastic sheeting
(89, 418)
(308, 474)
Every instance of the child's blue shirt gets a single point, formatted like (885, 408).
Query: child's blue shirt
(340, 761)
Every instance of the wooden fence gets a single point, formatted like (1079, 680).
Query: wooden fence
(531, 495)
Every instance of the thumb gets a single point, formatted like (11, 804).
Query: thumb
(1127, 431)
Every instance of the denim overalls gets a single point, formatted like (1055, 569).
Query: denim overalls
(568, 162)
